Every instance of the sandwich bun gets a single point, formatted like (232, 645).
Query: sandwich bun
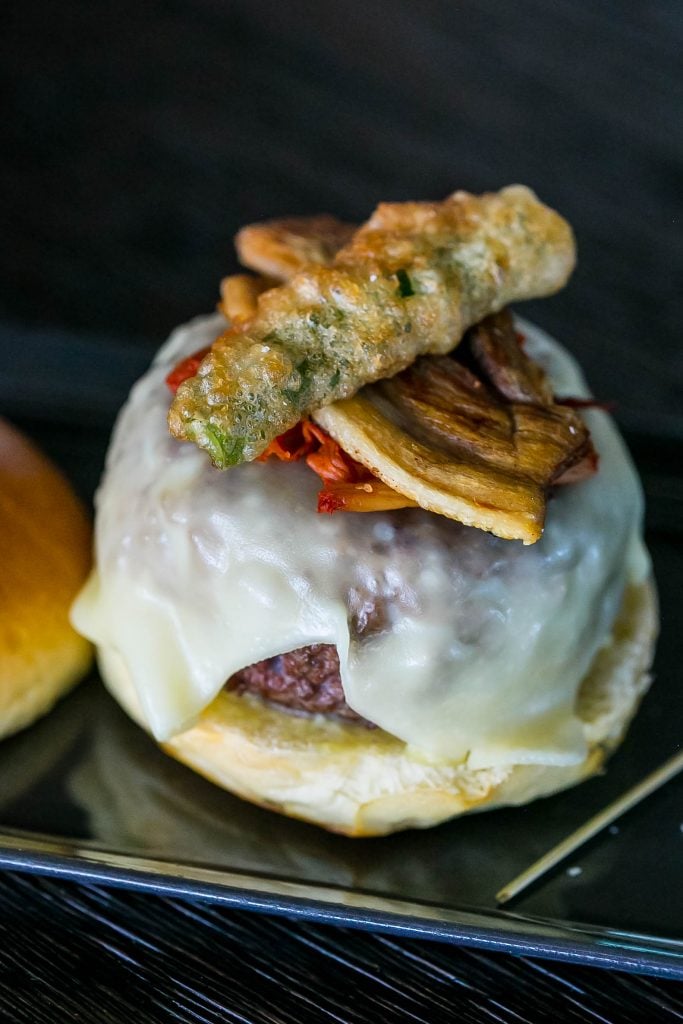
(367, 783)
(46, 557)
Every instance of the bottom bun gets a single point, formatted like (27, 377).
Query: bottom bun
(46, 557)
(365, 782)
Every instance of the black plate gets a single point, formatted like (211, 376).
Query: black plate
(86, 795)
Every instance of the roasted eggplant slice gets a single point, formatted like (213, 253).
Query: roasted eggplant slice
(281, 248)
(453, 440)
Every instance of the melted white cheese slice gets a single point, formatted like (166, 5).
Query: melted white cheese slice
(201, 573)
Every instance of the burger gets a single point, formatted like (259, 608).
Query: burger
(386, 566)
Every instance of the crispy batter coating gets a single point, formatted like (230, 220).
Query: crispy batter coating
(239, 296)
(410, 282)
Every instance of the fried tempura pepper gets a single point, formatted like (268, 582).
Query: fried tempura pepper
(411, 281)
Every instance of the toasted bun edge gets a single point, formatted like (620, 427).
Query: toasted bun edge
(365, 782)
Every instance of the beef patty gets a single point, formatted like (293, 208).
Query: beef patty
(303, 680)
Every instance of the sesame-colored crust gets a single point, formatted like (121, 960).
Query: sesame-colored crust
(46, 556)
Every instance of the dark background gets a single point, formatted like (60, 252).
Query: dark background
(140, 136)
(136, 139)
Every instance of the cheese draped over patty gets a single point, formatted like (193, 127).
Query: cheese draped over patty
(484, 642)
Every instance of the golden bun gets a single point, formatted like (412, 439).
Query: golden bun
(46, 555)
(365, 782)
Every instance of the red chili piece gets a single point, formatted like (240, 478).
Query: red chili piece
(185, 369)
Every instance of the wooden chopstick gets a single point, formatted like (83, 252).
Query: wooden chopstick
(591, 828)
